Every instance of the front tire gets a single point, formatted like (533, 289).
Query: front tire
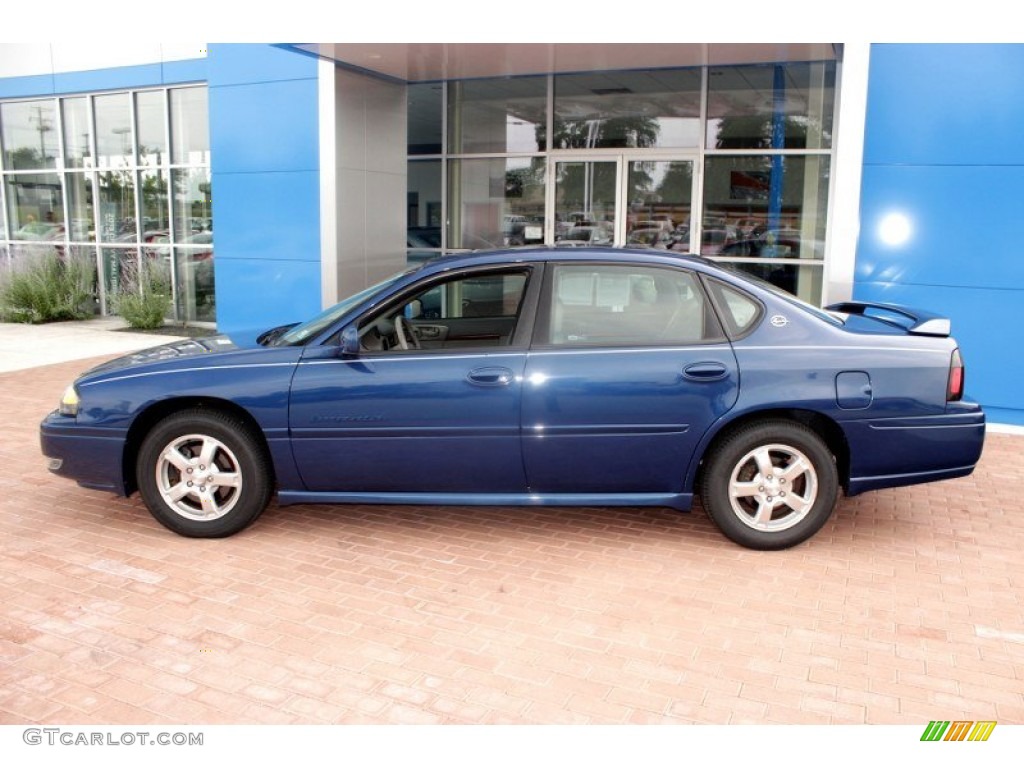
(203, 474)
(770, 485)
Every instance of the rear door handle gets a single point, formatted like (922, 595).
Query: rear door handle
(490, 377)
(706, 371)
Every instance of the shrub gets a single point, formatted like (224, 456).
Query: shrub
(144, 299)
(45, 287)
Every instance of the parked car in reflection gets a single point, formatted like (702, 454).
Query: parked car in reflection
(560, 376)
(586, 235)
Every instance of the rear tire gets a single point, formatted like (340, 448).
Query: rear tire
(770, 485)
(204, 474)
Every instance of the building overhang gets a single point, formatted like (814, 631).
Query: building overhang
(431, 62)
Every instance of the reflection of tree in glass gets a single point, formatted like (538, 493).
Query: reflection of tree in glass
(758, 132)
(24, 158)
(677, 185)
(583, 185)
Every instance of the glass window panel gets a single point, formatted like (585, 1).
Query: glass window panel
(195, 293)
(426, 112)
(500, 115)
(585, 202)
(120, 271)
(35, 206)
(659, 202)
(29, 134)
(155, 209)
(190, 126)
(423, 210)
(657, 108)
(771, 106)
(612, 305)
(77, 133)
(117, 207)
(149, 119)
(87, 254)
(496, 202)
(81, 218)
(767, 206)
(192, 204)
(802, 280)
(113, 131)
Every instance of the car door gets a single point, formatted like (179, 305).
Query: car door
(440, 418)
(628, 369)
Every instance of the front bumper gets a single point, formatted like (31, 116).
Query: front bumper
(91, 457)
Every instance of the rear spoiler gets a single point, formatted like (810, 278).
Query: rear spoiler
(915, 321)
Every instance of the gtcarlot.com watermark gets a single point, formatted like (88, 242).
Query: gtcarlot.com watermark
(66, 737)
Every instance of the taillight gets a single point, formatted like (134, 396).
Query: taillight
(955, 388)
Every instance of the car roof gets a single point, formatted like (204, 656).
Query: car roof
(571, 253)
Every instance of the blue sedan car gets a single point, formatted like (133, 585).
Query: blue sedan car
(589, 376)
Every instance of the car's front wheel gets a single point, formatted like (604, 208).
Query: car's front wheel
(770, 485)
(203, 474)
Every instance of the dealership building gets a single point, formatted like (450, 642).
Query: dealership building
(272, 180)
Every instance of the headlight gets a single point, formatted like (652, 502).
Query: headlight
(69, 402)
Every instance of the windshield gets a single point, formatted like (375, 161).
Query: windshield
(303, 332)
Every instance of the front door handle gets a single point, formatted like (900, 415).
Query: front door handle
(706, 371)
(490, 377)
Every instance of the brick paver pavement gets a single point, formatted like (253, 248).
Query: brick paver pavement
(907, 607)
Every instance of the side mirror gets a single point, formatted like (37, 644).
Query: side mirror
(350, 341)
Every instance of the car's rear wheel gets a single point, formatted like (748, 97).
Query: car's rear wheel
(203, 474)
(770, 485)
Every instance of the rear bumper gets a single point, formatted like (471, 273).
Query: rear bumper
(888, 453)
(90, 457)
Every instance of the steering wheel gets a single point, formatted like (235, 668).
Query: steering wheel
(407, 338)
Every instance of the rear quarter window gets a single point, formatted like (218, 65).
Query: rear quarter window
(740, 312)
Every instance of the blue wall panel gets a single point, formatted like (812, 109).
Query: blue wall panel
(955, 103)
(244, 63)
(263, 292)
(33, 85)
(944, 147)
(962, 221)
(142, 76)
(266, 127)
(268, 213)
(264, 137)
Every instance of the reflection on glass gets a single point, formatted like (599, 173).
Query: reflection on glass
(117, 207)
(34, 206)
(423, 210)
(496, 202)
(120, 270)
(192, 204)
(500, 115)
(190, 126)
(194, 274)
(656, 108)
(766, 206)
(81, 221)
(113, 131)
(802, 280)
(153, 190)
(149, 120)
(426, 113)
(585, 202)
(659, 203)
(771, 106)
(29, 134)
(77, 144)
(87, 254)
